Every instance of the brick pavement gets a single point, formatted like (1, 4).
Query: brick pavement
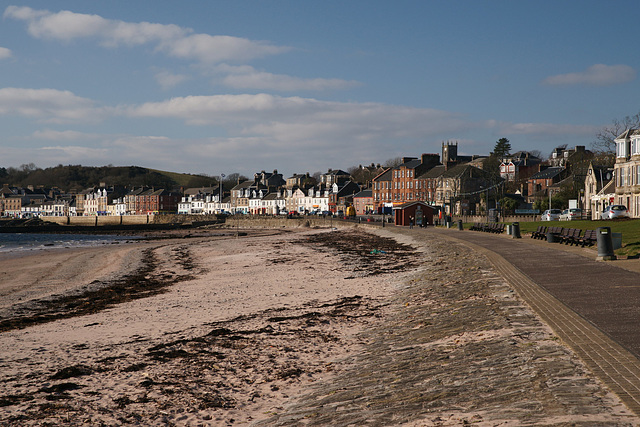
(593, 306)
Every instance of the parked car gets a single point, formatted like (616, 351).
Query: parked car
(571, 214)
(551, 215)
(615, 211)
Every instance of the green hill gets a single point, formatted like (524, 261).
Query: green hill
(77, 178)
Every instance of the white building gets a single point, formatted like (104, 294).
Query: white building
(192, 205)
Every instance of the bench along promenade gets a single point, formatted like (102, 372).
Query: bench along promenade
(593, 306)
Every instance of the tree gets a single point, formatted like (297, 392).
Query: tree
(492, 165)
(502, 148)
(508, 204)
(605, 137)
(393, 162)
(535, 153)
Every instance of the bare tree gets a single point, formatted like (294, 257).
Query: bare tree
(535, 153)
(392, 163)
(604, 142)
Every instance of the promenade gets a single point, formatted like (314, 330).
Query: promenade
(593, 306)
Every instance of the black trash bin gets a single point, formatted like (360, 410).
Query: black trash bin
(515, 230)
(605, 243)
(460, 227)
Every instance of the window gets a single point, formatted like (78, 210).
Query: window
(622, 149)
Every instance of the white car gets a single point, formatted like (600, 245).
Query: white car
(551, 215)
(615, 211)
(571, 214)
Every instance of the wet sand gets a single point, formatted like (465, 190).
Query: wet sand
(304, 327)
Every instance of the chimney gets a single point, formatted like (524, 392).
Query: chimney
(430, 160)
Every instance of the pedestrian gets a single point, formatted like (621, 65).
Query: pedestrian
(410, 222)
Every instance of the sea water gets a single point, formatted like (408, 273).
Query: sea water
(18, 242)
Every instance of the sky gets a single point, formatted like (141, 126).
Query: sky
(220, 87)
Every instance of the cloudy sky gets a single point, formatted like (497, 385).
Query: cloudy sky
(206, 86)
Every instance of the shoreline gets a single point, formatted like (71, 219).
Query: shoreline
(284, 327)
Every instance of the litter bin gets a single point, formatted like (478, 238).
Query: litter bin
(460, 227)
(605, 244)
(552, 238)
(515, 230)
(616, 238)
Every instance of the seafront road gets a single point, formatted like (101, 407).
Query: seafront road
(593, 306)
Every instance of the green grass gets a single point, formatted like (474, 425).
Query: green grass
(630, 229)
(185, 179)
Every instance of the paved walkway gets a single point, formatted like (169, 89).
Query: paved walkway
(593, 306)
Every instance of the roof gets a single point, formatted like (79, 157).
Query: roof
(384, 176)
(602, 173)
(337, 172)
(562, 182)
(271, 196)
(629, 133)
(244, 184)
(411, 164)
(417, 202)
(200, 190)
(364, 194)
(434, 172)
(547, 173)
(608, 188)
(456, 171)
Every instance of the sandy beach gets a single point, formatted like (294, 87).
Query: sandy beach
(281, 327)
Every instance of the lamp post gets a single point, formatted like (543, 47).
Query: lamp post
(220, 185)
(487, 200)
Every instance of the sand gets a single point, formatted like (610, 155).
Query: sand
(216, 329)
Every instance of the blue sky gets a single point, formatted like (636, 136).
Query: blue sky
(214, 87)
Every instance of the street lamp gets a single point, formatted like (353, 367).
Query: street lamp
(220, 186)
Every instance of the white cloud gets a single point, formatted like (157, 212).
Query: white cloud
(302, 118)
(73, 153)
(167, 80)
(65, 135)
(150, 151)
(48, 105)
(173, 40)
(249, 78)
(279, 132)
(552, 130)
(5, 53)
(595, 75)
(214, 49)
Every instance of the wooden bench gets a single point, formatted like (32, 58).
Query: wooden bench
(540, 233)
(556, 231)
(590, 238)
(496, 228)
(570, 236)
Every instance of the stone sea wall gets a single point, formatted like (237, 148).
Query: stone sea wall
(102, 220)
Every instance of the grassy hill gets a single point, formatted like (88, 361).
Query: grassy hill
(188, 180)
(77, 178)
